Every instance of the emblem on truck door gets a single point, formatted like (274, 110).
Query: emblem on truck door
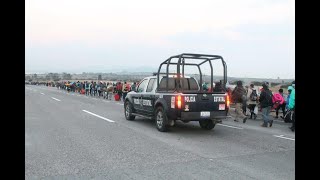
(186, 107)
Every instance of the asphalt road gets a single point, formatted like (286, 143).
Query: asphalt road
(71, 136)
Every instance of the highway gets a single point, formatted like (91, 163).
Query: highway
(72, 136)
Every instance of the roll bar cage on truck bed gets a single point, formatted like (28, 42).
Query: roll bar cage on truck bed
(182, 61)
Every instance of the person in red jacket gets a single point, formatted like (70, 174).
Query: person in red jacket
(279, 102)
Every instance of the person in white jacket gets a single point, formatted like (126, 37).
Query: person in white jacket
(252, 101)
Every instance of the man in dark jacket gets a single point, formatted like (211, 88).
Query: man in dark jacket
(237, 98)
(266, 104)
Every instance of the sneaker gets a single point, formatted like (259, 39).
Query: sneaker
(255, 117)
(263, 125)
(276, 117)
(270, 123)
(235, 120)
(292, 129)
(245, 119)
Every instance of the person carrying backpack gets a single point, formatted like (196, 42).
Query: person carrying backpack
(252, 97)
(266, 104)
(237, 98)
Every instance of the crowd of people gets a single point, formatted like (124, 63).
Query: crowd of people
(101, 89)
(248, 99)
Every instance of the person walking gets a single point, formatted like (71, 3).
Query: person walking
(279, 102)
(266, 104)
(291, 106)
(125, 90)
(119, 90)
(110, 90)
(252, 97)
(237, 98)
(87, 88)
(133, 87)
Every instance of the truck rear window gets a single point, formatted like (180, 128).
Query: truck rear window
(189, 84)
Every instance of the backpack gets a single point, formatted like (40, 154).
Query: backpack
(254, 95)
(237, 94)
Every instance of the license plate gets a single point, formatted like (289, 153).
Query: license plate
(205, 114)
(222, 106)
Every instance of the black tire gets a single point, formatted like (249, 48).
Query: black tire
(161, 119)
(128, 111)
(207, 124)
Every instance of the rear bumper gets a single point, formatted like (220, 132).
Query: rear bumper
(195, 116)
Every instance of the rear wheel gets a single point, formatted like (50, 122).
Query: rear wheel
(161, 119)
(207, 124)
(128, 111)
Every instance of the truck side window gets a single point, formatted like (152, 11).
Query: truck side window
(142, 86)
(150, 85)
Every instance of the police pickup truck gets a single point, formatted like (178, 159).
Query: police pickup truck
(167, 97)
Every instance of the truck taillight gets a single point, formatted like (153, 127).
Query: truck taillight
(179, 102)
(228, 101)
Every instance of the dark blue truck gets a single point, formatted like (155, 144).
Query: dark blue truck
(168, 97)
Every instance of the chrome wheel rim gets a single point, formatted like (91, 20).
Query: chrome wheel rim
(159, 119)
(127, 110)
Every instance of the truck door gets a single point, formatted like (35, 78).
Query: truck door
(148, 97)
(137, 97)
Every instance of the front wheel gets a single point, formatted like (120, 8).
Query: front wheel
(207, 124)
(161, 119)
(128, 111)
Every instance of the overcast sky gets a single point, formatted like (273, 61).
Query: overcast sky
(255, 37)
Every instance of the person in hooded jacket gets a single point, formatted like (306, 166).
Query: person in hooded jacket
(291, 106)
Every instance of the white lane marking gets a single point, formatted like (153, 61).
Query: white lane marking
(230, 126)
(119, 103)
(278, 121)
(56, 99)
(282, 136)
(42, 93)
(98, 116)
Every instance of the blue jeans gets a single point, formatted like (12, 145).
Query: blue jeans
(265, 114)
